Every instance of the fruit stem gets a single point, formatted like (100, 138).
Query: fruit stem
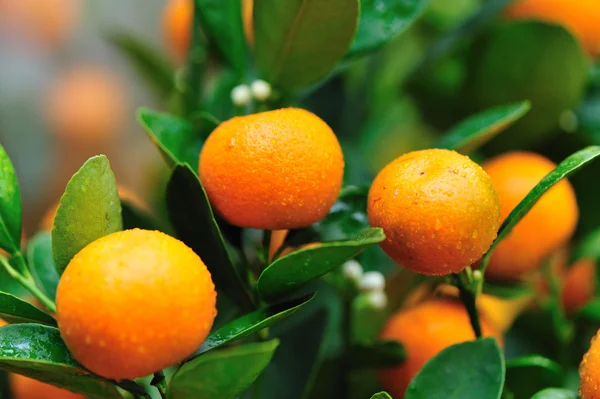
(160, 382)
(468, 295)
(28, 283)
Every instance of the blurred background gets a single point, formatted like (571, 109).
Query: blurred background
(70, 85)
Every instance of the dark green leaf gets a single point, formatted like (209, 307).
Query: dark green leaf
(223, 24)
(528, 374)
(297, 269)
(176, 138)
(194, 221)
(591, 311)
(589, 247)
(137, 218)
(251, 323)
(223, 373)
(381, 395)
(555, 393)
(298, 42)
(148, 62)
(381, 20)
(10, 205)
(377, 354)
(38, 352)
(14, 310)
(506, 291)
(478, 129)
(89, 209)
(476, 372)
(41, 263)
(567, 167)
(293, 369)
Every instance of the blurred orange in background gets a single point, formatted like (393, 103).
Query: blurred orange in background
(177, 26)
(49, 23)
(86, 104)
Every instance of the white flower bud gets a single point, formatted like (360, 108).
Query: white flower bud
(377, 299)
(241, 95)
(477, 275)
(352, 270)
(261, 90)
(372, 281)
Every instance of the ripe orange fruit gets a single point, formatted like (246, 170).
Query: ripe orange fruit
(546, 228)
(177, 21)
(87, 104)
(589, 371)
(23, 387)
(425, 330)
(439, 211)
(579, 16)
(248, 20)
(47, 22)
(134, 302)
(273, 170)
(125, 194)
(579, 285)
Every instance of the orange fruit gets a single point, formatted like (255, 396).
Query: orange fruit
(47, 22)
(177, 19)
(425, 330)
(439, 211)
(248, 20)
(87, 104)
(579, 285)
(273, 170)
(23, 387)
(133, 303)
(589, 371)
(547, 227)
(579, 16)
(277, 240)
(125, 194)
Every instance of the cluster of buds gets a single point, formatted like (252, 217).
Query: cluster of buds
(260, 90)
(371, 284)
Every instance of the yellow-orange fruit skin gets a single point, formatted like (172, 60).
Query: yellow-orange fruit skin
(134, 302)
(578, 288)
(589, 371)
(87, 104)
(273, 170)
(579, 16)
(438, 209)
(546, 228)
(177, 26)
(23, 387)
(425, 330)
(248, 20)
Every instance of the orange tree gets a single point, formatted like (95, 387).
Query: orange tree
(269, 275)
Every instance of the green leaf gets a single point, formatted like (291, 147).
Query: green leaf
(251, 323)
(10, 205)
(555, 393)
(223, 24)
(567, 167)
(507, 291)
(288, 273)
(381, 395)
(176, 138)
(377, 354)
(223, 373)
(15, 310)
(89, 209)
(591, 311)
(478, 129)
(589, 247)
(41, 263)
(194, 221)
(528, 374)
(516, 62)
(38, 352)
(382, 20)
(476, 372)
(148, 62)
(298, 42)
